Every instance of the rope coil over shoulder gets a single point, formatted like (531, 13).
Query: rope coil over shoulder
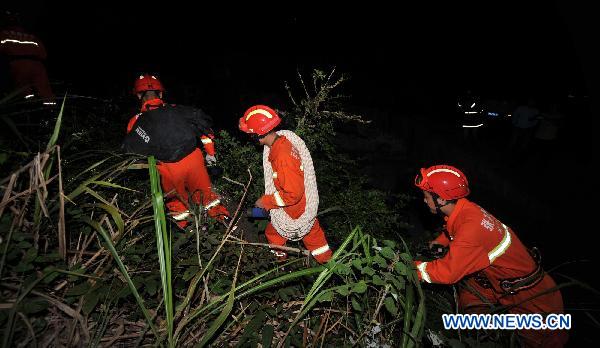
(294, 229)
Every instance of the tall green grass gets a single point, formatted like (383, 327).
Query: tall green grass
(163, 245)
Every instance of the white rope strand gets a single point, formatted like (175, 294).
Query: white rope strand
(294, 229)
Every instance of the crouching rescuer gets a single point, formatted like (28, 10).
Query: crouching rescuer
(171, 133)
(291, 194)
(486, 258)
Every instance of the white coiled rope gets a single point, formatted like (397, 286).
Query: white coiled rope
(294, 229)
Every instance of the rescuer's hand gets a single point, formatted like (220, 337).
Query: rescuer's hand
(259, 204)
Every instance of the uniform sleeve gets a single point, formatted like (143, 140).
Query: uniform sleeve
(291, 190)
(441, 239)
(132, 123)
(208, 143)
(465, 256)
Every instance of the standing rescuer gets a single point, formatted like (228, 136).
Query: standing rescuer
(170, 133)
(291, 195)
(486, 256)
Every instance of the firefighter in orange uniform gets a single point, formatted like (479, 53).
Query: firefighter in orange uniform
(485, 255)
(292, 206)
(26, 55)
(188, 175)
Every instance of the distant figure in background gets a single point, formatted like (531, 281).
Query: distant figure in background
(25, 54)
(470, 111)
(524, 119)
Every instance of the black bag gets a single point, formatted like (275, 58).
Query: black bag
(169, 133)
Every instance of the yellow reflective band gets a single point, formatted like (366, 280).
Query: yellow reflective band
(422, 269)
(206, 141)
(20, 42)
(278, 199)
(443, 170)
(500, 248)
(320, 250)
(182, 216)
(274, 175)
(259, 111)
(212, 204)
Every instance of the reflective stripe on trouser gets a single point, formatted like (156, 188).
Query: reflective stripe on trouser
(189, 175)
(314, 241)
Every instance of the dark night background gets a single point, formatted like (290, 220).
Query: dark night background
(407, 63)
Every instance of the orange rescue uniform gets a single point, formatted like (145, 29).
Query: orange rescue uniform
(481, 245)
(289, 183)
(186, 176)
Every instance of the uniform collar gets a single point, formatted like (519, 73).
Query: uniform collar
(152, 104)
(457, 209)
(274, 147)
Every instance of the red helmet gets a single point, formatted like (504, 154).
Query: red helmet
(146, 83)
(446, 181)
(259, 119)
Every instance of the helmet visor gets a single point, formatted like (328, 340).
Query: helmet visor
(421, 180)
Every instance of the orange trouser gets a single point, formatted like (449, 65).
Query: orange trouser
(189, 176)
(469, 302)
(314, 241)
(32, 73)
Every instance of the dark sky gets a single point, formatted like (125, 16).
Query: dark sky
(393, 53)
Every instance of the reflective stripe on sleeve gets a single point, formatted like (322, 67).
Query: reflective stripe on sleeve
(320, 250)
(422, 267)
(502, 247)
(278, 199)
(206, 141)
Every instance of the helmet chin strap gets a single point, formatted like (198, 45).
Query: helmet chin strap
(438, 207)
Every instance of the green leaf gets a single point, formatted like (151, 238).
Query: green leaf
(30, 255)
(151, 286)
(356, 306)
(267, 335)
(342, 269)
(406, 258)
(368, 270)
(52, 257)
(34, 305)
(90, 300)
(400, 268)
(23, 245)
(54, 136)
(23, 267)
(344, 290)
(378, 281)
(326, 296)
(390, 305)
(357, 264)
(388, 253)
(380, 261)
(79, 289)
(398, 282)
(254, 325)
(389, 243)
(359, 287)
